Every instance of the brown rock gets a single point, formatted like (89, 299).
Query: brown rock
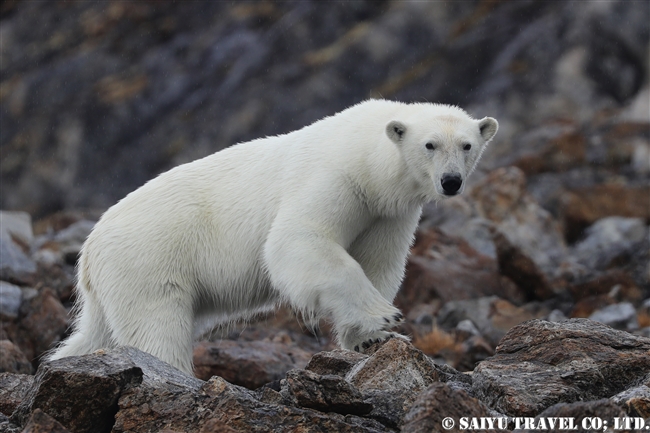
(13, 388)
(392, 377)
(521, 269)
(247, 363)
(531, 230)
(448, 268)
(636, 400)
(540, 363)
(326, 393)
(603, 409)
(40, 422)
(12, 359)
(337, 361)
(80, 392)
(440, 401)
(492, 316)
(624, 287)
(584, 206)
(552, 148)
(41, 323)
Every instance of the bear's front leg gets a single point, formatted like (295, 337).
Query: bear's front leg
(318, 277)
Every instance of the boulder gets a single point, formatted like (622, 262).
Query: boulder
(326, 393)
(247, 363)
(609, 239)
(12, 360)
(11, 297)
(580, 414)
(13, 388)
(42, 322)
(586, 205)
(528, 228)
(538, 364)
(337, 361)
(40, 422)
(79, 392)
(448, 268)
(391, 378)
(441, 402)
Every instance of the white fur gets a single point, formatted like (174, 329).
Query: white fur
(321, 218)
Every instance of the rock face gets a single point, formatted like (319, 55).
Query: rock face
(539, 363)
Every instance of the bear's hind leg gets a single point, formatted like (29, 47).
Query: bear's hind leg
(91, 331)
(163, 328)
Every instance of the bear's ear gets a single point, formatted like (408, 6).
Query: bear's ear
(396, 131)
(488, 127)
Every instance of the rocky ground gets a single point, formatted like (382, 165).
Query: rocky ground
(528, 296)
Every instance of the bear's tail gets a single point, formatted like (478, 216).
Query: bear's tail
(90, 328)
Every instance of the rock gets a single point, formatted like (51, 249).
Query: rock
(609, 239)
(521, 269)
(552, 147)
(540, 363)
(80, 392)
(15, 265)
(18, 225)
(326, 393)
(503, 199)
(440, 401)
(40, 422)
(392, 377)
(6, 426)
(635, 401)
(218, 403)
(13, 388)
(576, 413)
(337, 361)
(619, 316)
(493, 317)
(10, 299)
(584, 206)
(247, 363)
(448, 268)
(615, 283)
(12, 360)
(42, 322)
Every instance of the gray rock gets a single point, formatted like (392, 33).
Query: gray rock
(556, 316)
(608, 239)
(620, 316)
(18, 225)
(540, 363)
(468, 326)
(10, 299)
(15, 265)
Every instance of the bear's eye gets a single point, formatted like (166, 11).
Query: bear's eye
(467, 146)
(429, 146)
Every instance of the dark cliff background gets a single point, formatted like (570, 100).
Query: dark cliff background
(98, 97)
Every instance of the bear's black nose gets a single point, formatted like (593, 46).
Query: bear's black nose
(451, 183)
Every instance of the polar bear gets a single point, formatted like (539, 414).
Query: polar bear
(321, 218)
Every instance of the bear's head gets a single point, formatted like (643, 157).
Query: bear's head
(441, 146)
